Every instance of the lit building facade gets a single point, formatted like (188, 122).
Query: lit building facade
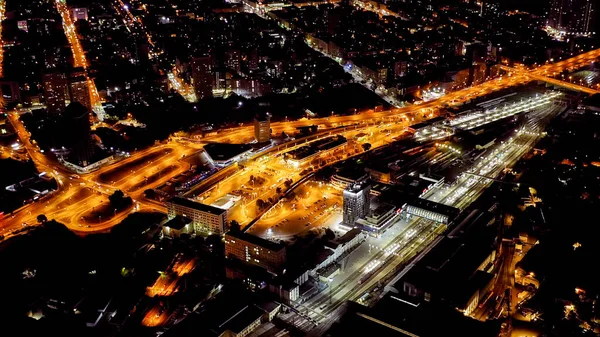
(205, 218)
(202, 77)
(79, 13)
(254, 250)
(357, 202)
(56, 92)
(262, 129)
(80, 92)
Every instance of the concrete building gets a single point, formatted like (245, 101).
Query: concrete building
(205, 218)
(458, 272)
(202, 78)
(79, 13)
(262, 128)
(357, 202)
(254, 250)
(80, 91)
(175, 227)
(56, 92)
(573, 17)
(379, 220)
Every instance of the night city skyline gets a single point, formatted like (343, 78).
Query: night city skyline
(271, 168)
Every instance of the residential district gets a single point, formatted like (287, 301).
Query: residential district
(273, 168)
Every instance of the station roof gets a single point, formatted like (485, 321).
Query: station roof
(242, 319)
(436, 207)
(427, 123)
(224, 152)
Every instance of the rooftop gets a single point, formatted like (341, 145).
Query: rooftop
(178, 222)
(382, 210)
(450, 211)
(393, 316)
(351, 234)
(270, 245)
(242, 319)
(224, 152)
(427, 123)
(357, 186)
(196, 205)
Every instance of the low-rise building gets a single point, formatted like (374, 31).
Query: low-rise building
(205, 218)
(176, 226)
(379, 220)
(380, 173)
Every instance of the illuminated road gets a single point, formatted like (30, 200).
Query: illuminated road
(66, 204)
(270, 173)
(78, 197)
(79, 58)
(549, 71)
(167, 284)
(554, 81)
(135, 24)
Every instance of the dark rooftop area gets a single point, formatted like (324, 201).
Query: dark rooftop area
(257, 240)
(427, 123)
(243, 318)
(393, 317)
(178, 222)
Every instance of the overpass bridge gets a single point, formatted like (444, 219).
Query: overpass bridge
(535, 76)
(544, 72)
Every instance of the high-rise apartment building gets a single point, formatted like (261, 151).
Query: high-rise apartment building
(56, 92)
(202, 76)
(262, 128)
(574, 17)
(80, 91)
(357, 202)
